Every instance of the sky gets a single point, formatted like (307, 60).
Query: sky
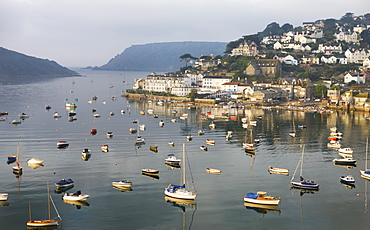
(80, 33)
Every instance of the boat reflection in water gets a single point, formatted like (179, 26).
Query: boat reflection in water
(153, 176)
(123, 189)
(4, 203)
(34, 166)
(348, 166)
(304, 191)
(262, 208)
(59, 190)
(348, 185)
(179, 202)
(78, 203)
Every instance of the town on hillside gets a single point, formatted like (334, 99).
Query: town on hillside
(326, 60)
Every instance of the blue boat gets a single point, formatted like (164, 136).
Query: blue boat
(64, 183)
(347, 179)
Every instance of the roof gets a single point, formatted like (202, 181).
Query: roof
(231, 83)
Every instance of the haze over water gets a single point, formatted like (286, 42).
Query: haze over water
(219, 203)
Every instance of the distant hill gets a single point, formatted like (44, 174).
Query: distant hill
(161, 56)
(14, 64)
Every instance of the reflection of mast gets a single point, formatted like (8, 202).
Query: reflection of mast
(301, 211)
(366, 196)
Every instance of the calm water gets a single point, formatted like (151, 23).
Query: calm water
(219, 204)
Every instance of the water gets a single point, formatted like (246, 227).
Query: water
(219, 204)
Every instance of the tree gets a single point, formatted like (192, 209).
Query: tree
(335, 87)
(187, 58)
(320, 90)
(192, 95)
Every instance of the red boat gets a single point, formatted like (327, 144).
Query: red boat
(332, 138)
(209, 112)
(93, 131)
(234, 118)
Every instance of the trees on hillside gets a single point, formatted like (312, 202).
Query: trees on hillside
(187, 58)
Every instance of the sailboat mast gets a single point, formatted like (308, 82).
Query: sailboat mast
(48, 200)
(29, 210)
(302, 162)
(183, 175)
(367, 146)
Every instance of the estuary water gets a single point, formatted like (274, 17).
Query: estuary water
(219, 204)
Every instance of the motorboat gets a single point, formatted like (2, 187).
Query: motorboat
(93, 131)
(172, 160)
(62, 144)
(23, 116)
(200, 132)
(203, 148)
(122, 183)
(273, 170)
(86, 154)
(133, 130)
(135, 121)
(345, 150)
(345, 161)
(153, 148)
(334, 145)
(161, 123)
(142, 112)
(150, 171)
(212, 125)
(109, 134)
(334, 138)
(34, 161)
(261, 197)
(4, 196)
(189, 138)
(16, 122)
(210, 142)
(211, 170)
(104, 148)
(12, 158)
(122, 111)
(77, 196)
(111, 113)
(97, 115)
(142, 127)
(347, 179)
(140, 140)
(47, 107)
(56, 115)
(65, 183)
(171, 143)
(150, 111)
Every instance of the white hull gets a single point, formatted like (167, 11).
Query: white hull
(82, 197)
(121, 184)
(364, 174)
(4, 196)
(35, 161)
(181, 194)
(42, 223)
(257, 201)
(278, 170)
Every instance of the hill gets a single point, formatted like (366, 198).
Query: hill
(14, 64)
(161, 56)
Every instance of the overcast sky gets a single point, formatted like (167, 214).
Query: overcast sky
(79, 33)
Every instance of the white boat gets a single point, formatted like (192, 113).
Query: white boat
(150, 171)
(109, 134)
(45, 222)
(274, 170)
(366, 172)
(333, 129)
(161, 123)
(292, 133)
(23, 116)
(203, 148)
(34, 161)
(16, 122)
(77, 196)
(254, 123)
(111, 113)
(200, 132)
(210, 142)
(96, 115)
(189, 138)
(345, 150)
(171, 143)
(261, 197)
(173, 120)
(4, 196)
(133, 130)
(244, 119)
(17, 169)
(104, 148)
(122, 183)
(334, 145)
(182, 191)
(172, 160)
(347, 179)
(86, 154)
(56, 115)
(302, 183)
(139, 139)
(345, 161)
(142, 127)
(211, 170)
(212, 125)
(150, 111)
(62, 144)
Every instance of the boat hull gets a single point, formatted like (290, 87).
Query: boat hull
(4, 196)
(42, 223)
(262, 201)
(82, 197)
(304, 185)
(180, 194)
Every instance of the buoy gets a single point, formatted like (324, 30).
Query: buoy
(115, 163)
(55, 173)
(357, 194)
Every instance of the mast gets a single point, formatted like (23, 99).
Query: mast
(47, 183)
(300, 174)
(29, 210)
(367, 145)
(183, 166)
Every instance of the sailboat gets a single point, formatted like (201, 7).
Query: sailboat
(292, 133)
(17, 169)
(302, 183)
(180, 191)
(249, 147)
(366, 173)
(139, 140)
(48, 222)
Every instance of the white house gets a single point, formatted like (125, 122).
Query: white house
(231, 87)
(347, 36)
(356, 55)
(328, 59)
(355, 76)
(290, 60)
(214, 81)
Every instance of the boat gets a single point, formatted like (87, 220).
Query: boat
(122, 183)
(261, 197)
(345, 161)
(211, 170)
(173, 120)
(334, 138)
(17, 169)
(171, 143)
(4, 196)
(244, 119)
(122, 111)
(135, 121)
(142, 127)
(345, 150)
(16, 122)
(142, 112)
(12, 158)
(65, 183)
(302, 126)
(94, 98)
(48, 222)
(96, 115)
(62, 144)
(86, 154)
(104, 148)
(249, 147)
(109, 134)
(34, 161)
(139, 140)
(23, 116)
(3, 113)
(189, 138)
(334, 145)
(366, 173)
(150, 111)
(282, 171)
(210, 142)
(212, 125)
(132, 130)
(172, 160)
(347, 179)
(292, 133)
(153, 148)
(333, 129)
(2, 119)
(254, 123)
(111, 114)
(200, 132)
(150, 171)
(56, 115)
(302, 183)
(93, 110)
(203, 148)
(70, 105)
(93, 131)
(77, 196)
(181, 191)
(161, 123)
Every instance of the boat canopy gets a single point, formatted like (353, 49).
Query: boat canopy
(177, 186)
(251, 195)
